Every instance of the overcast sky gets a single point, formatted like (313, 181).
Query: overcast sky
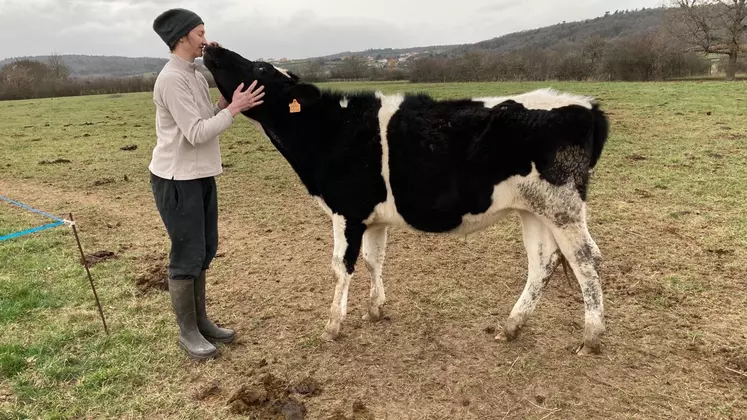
(280, 28)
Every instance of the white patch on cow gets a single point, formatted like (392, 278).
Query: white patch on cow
(547, 98)
(284, 71)
(323, 205)
(560, 204)
(386, 212)
(344, 102)
(503, 200)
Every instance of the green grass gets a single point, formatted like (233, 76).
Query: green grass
(53, 350)
(54, 356)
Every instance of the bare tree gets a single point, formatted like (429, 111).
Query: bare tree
(353, 67)
(593, 51)
(57, 68)
(712, 27)
(313, 71)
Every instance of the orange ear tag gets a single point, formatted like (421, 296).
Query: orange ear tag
(294, 107)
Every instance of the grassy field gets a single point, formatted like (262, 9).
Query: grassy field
(667, 209)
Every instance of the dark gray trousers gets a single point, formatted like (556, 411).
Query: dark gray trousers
(189, 211)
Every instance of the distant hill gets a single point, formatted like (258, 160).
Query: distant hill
(393, 52)
(617, 24)
(94, 65)
(613, 25)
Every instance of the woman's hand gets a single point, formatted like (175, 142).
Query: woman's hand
(246, 100)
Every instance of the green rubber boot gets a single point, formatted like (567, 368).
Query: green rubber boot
(183, 303)
(209, 330)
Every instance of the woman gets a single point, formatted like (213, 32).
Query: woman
(184, 164)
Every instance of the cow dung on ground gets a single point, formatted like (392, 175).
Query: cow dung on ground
(272, 398)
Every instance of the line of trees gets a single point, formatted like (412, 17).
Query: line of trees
(30, 79)
(647, 56)
(27, 79)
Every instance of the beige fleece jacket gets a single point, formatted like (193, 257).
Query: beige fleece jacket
(187, 124)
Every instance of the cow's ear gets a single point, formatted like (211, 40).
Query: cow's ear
(305, 94)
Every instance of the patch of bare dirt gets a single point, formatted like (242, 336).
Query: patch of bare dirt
(307, 386)
(103, 181)
(643, 193)
(100, 256)
(360, 412)
(129, 147)
(208, 391)
(156, 276)
(272, 398)
(720, 251)
(55, 161)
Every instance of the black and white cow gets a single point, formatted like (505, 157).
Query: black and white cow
(452, 166)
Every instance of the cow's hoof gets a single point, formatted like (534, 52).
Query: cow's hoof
(374, 314)
(328, 337)
(331, 331)
(586, 350)
(509, 333)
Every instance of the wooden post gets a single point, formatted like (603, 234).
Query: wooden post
(90, 279)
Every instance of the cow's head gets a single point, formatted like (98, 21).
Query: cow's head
(281, 87)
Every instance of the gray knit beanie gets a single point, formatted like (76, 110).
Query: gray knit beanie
(173, 24)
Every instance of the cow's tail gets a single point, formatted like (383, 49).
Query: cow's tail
(599, 134)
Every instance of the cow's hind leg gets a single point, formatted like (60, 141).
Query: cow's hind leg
(563, 211)
(543, 256)
(347, 244)
(585, 259)
(374, 249)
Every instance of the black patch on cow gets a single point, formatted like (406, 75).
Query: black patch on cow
(563, 218)
(447, 156)
(584, 253)
(587, 254)
(592, 292)
(432, 180)
(354, 238)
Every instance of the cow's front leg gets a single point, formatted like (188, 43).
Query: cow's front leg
(347, 244)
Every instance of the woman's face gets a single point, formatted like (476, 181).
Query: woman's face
(194, 42)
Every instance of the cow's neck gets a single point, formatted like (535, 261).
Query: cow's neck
(300, 140)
